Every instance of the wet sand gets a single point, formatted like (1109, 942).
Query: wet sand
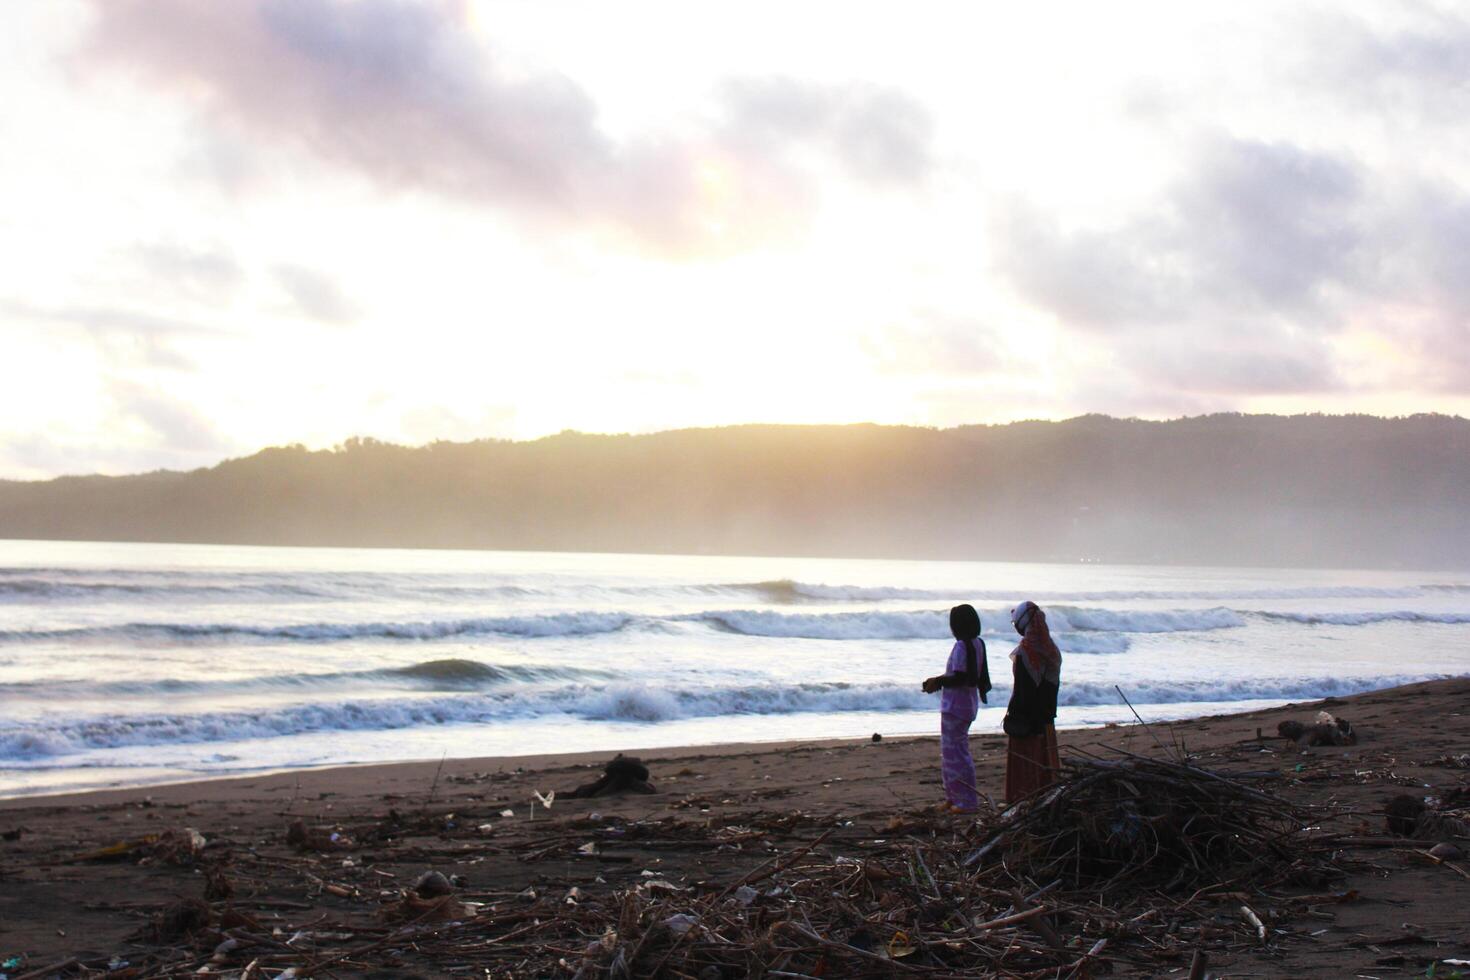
(1409, 913)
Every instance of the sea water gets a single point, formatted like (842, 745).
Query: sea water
(127, 664)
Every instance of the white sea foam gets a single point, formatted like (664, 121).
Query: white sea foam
(930, 624)
(554, 624)
(619, 702)
(1367, 618)
(788, 590)
(1143, 621)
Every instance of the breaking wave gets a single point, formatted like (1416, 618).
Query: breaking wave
(1367, 618)
(626, 702)
(554, 624)
(928, 624)
(789, 591)
(451, 674)
(1135, 621)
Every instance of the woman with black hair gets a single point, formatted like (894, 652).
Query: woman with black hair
(965, 683)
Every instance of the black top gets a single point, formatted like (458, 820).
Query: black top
(1035, 704)
(976, 672)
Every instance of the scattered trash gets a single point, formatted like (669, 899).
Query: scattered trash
(681, 923)
(1410, 816)
(305, 838)
(1325, 730)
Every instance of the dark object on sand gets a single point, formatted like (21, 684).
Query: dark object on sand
(1327, 730)
(1402, 814)
(1409, 816)
(433, 884)
(624, 774)
(877, 737)
(178, 921)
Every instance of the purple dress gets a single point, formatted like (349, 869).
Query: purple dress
(958, 707)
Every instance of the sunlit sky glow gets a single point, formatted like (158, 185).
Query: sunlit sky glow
(239, 223)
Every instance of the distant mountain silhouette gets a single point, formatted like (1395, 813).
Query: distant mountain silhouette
(1352, 491)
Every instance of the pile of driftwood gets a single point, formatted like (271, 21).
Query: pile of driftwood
(1151, 823)
(1135, 862)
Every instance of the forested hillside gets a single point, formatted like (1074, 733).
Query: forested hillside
(1225, 489)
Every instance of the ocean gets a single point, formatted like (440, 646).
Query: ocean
(135, 664)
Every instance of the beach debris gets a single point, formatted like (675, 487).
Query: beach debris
(11, 835)
(177, 921)
(1412, 816)
(681, 923)
(1144, 822)
(217, 885)
(181, 847)
(624, 774)
(305, 838)
(877, 737)
(433, 884)
(1126, 864)
(1326, 729)
(416, 909)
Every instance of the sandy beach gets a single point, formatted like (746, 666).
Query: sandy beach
(1397, 913)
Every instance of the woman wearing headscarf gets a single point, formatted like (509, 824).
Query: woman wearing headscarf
(1036, 668)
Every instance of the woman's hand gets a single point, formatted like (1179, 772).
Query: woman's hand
(931, 684)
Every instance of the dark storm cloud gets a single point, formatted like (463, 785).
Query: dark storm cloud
(398, 92)
(315, 294)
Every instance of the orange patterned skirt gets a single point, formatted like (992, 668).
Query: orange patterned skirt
(1031, 763)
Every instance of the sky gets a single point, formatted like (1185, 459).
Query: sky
(229, 224)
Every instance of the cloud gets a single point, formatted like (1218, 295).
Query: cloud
(1412, 71)
(879, 135)
(170, 425)
(1242, 274)
(316, 295)
(402, 94)
(120, 334)
(1252, 230)
(205, 274)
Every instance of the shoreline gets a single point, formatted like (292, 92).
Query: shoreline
(67, 891)
(543, 759)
